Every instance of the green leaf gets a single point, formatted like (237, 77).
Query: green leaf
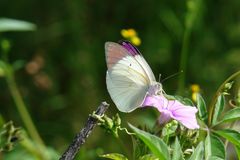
(218, 108)
(149, 157)
(214, 147)
(231, 135)
(139, 148)
(177, 151)
(7, 24)
(114, 156)
(198, 152)
(231, 115)
(154, 143)
(214, 158)
(202, 110)
(237, 148)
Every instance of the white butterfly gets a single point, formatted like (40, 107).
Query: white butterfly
(129, 77)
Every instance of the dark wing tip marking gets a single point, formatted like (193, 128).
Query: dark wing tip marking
(130, 47)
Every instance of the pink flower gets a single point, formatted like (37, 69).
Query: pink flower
(173, 109)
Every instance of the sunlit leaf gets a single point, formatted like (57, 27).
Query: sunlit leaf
(114, 156)
(214, 147)
(154, 143)
(231, 115)
(198, 152)
(177, 151)
(231, 135)
(148, 157)
(7, 24)
(202, 110)
(218, 108)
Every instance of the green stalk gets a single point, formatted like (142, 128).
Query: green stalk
(194, 8)
(21, 107)
(183, 60)
(214, 100)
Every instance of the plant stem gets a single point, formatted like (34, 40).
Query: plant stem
(183, 61)
(21, 107)
(212, 104)
(82, 136)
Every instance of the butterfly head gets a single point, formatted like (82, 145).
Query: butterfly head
(155, 89)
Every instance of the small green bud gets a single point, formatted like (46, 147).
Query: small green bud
(108, 122)
(5, 44)
(228, 85)
(117, 120)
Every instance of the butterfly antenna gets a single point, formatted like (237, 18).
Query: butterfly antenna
(159, 78)
(175, 74)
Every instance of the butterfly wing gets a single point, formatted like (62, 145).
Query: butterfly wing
(128, 77)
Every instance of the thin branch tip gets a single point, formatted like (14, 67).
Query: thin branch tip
(81, 137)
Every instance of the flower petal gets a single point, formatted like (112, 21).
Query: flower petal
(156, 101)
(184, 114)
(165, 116)
(173, 109)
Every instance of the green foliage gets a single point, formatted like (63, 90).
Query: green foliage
(219, 106)
(155, 144)
(202, 109)
(170, 129)
(231, 135)
(9, 136)
(231, 115)
(214, 147)
(114, 156)
(7, 24)
(237, 148)
(73, 69)
(177, 151)
(149, 157)
(198, 152)
(139, 148)
(111, 125)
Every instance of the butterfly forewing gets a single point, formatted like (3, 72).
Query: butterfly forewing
(146, 67)
(128, 77)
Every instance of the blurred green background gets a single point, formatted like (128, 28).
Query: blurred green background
(63, 77)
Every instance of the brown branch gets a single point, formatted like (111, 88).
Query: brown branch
(81, 137)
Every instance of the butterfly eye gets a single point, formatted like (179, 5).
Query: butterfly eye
(158, 88)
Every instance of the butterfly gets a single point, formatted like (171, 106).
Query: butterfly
(129, 78)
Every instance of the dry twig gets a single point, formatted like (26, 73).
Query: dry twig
(81, 137)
